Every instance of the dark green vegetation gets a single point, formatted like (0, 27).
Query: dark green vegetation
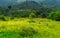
(25, 10)
(55, 15)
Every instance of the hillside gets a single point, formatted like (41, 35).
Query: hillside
(29, 5)
(52, 3)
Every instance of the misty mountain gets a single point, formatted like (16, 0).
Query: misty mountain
(29, 5)
(6, 2)
(13, 2)
(50, 3)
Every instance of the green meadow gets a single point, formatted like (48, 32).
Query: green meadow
(30, 28)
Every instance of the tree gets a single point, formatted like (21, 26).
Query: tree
(32, 15)
(9, 7)
(55, 15)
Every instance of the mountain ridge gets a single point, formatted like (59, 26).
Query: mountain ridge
(51, 3)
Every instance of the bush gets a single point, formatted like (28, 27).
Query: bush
(4, 18)
(32, 15)
(54, 16)
(28, 31)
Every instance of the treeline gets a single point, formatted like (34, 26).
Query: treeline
(17, 12)
(44, 12)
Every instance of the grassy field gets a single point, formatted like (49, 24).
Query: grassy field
(30, 28)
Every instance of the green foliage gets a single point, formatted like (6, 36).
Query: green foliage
(22, 13)
(2, 18)
(28, 31)
(5, 18)
(55, 15)
(32, 15)
(9, 34)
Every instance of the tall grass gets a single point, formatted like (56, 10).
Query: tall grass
(26, 28)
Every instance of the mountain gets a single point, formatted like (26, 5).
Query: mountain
(7, 2)
(12, 2)
(50, 3)
(29, 5)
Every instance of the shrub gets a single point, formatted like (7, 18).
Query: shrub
(32, 15)
(54, 15)
(28, 31)
(4, 18)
